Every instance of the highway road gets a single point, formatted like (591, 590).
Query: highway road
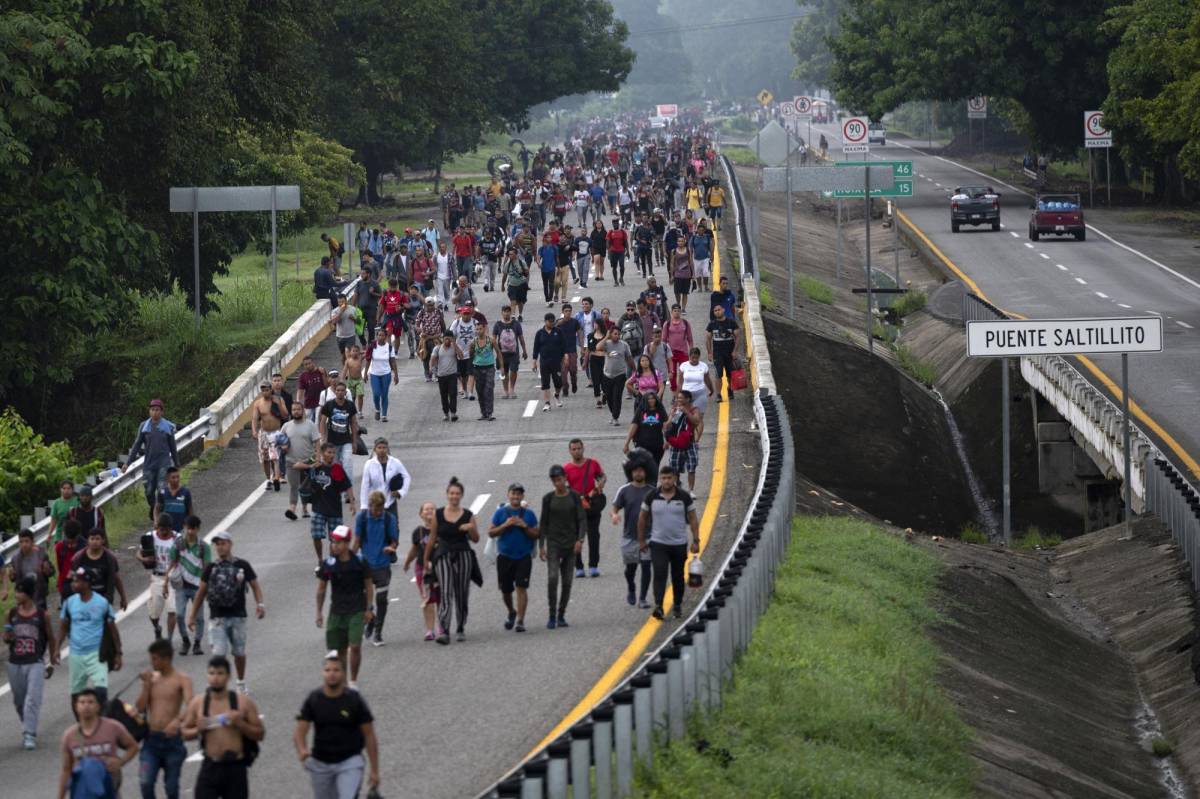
(450, 719)
(1120, 270)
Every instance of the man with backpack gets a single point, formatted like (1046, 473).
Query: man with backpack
(155, 555)
(229, 729)
(510, 340)
(223, 583)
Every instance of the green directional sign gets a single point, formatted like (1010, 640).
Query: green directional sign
(902, 173)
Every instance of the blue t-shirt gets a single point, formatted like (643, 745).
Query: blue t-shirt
(597, 192)
(548, 255)
(87, 621)
(701, 247)
(514, 543)
(176, 505)
(374, 534)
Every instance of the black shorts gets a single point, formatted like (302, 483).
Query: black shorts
(464, 368)
(519, 294)
(683, 285)
(513, 572)
(512, 362)
(551, 373)
(218, 779)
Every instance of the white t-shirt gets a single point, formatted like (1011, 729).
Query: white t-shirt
(444, 270)
(692, 376)
(379, 358)
(581, 199)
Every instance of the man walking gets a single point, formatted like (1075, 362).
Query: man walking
(682, 435)
(350, 605)
(302, 434)
(549, 351)
(329, 481)
(91, 747)
(165, 693)
(268, 413)
(339, 426)
(28, 634)
(224, 584)
(563, 527)
(155, 555)
(30, 561)
(189, 556)
(175, 499)
(86, 616)
(385, 473)
(156, 436)
(587, 479)
(377, 536)
(721, 344)
(229, 729)
(515, 529)
(668, 513)
(342, 728)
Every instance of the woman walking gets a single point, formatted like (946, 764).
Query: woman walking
(645, 380)
(682, 271)
(443, 361)
(595, 349)
(618, 360)
(646, 431)
(428, 592)
(483, 360)
(449, 553)
(599, 242)
(382, 370)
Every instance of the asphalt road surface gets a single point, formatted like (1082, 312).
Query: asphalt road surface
(450, 719)
(1120, 270)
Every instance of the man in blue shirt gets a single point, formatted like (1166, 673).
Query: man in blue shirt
(515, 529)
(86, 615)
(376, 536)
(701, 246)
(157, 436)
(548, 261)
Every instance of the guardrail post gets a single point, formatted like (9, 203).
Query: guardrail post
(623, 735)
(687, 657)
(510, 789)
(602, 746)
(556, 769)
(658, 692)
(674, 692)
(533, 786)
(581, 760)
(729, 625)
(699, 632)
(713, 634)
(643, 717)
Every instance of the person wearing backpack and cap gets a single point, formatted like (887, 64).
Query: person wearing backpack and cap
(223, 584)
(28, 634)
(353, 597)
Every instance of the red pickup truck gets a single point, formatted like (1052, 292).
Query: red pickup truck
(1057, 215)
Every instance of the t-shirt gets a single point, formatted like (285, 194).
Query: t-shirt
(102, 571)
(514, 542)
(725, 299)
(381, 355)
(162, 552)
(29, 636)
(617, 241)
(312, 384)
(337, 429)
(563, 519)
(570, 331)
(59, 509)
(692, 375)
(178, 505)
(344, 322)
(328, 483)
(337, 724)
(346, 577)
(374, 533)
(508, 334)
(191, 559)
(88, 620)
(33, 564)
(616, 356)
(668, 517)
(444, 361)
(302, 436)
(649, 433)
(722, 333)
(450, 537)
(103, 744)
(582, 477)
(244, 574)
(629, 498)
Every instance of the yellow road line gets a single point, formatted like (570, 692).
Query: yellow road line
(1138, 412)
(641, 640)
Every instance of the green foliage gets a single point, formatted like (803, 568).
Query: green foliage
(765, 298)
(837, 695)
(742, 156)
(1033, 539)
(911, 302)
(971, 534)
(810, 41)
(1161, 747)
(815, 290)
(919, 370)
(32, 470)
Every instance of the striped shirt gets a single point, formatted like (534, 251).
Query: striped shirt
(191, 559)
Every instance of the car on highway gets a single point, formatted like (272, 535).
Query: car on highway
(876, 134)
(974, 205)
(1057, 215)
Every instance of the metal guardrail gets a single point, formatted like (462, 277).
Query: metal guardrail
(745, 246)
(214, 422)
(1171, 498)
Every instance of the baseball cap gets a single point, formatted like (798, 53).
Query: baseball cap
(156, 403)
(516, 487)
(334, 373)
(85, 489)
(430, 300)
(81, 574)
(340, 533)
(557, 471)
(222, 535)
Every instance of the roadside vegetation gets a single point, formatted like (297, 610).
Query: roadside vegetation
(742, 156)
(918, 369)
(837, 694)
(1033, 538)
(814, 289)
(971, 534)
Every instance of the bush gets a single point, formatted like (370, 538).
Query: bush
(1033, 539)
(908, 303)
(971, 534)
(919, 370)
(765, 298)
(31, 470)
(815, 289)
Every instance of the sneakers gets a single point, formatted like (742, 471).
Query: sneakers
(579, 572)
(446, 417)
(377, 416)
(187, 646)
(657, 612)
(511, 620)
(454, 417)
(369, 630)
(551, 623)
(558, 401)
(546, 408)
(290, 514)
(384, 419)
(443, 639)
(677, 612)
(29, 741)
(460, 636)
(520, 628)
(275, 485)
(595, 572)
(562, 621)
(643, 604)
(631, 598)
(429, 635)
(377, 640)
(196, 650)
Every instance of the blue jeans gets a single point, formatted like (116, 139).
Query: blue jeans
(582, 263)
(164, 752)
(184, 594)
(379, 392)
(155, 477)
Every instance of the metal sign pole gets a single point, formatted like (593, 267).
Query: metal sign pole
(1004, 436)
(839, 238)
(1107, 177)
(274, 265)
(1091, 192)
(790, 267)
(867, 225)
(1125, 440)
(196, 251)
(896, 239)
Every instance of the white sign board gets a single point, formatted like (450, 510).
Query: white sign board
(787, 109)
(977, 107)
(803, 105)
(668, 110)
(233, 198)
(854, 135)
(1013, 337)
(1094, 132)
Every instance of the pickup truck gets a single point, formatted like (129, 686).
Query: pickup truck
(974, 205)
(1057, 215)
(876, 134)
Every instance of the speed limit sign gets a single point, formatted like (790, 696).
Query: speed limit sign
(854, 135)
(977, 107)
(1094, 132)
(803, 105)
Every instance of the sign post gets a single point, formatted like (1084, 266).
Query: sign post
(1096, 135)
(804, 111)
(977, 109)
(1009, 338)
(854, 135)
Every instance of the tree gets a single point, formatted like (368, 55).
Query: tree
(663, 71)
(810, 42)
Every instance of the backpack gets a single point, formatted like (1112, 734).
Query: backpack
(508, 339)
(250, 747)
(341, 249)
(631, 334)
(679, 432)
(224, 590)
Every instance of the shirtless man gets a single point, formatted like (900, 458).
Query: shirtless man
(352, 373)
(165, 693)
(224, 722)
(267, 417)
(94, 738)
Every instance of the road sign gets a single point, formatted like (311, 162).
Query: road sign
(1094, 132)
(765, 97)
(668, 110)
(977, 107)
(803, 105)
(902, 178)
(787, 109)
(829, 179)
(854, 135)
(1013, 337)
(773, 144)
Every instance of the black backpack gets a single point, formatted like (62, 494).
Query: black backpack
(250, 748)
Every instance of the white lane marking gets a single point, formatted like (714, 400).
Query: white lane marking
(1014, 234)
(479, 502)
(920, 176)
(939, 185)
(1003, 226)
(144, 597)
(1060, 266)
(1154, 313)
(1102, 295)
(1047, 257)
(576, 299)
(1183, 324)
(1123, 305)
(530, 409)
(510, 455)
(1030, 246)
(1081, 281)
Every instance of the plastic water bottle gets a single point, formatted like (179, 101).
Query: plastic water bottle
(109, 474)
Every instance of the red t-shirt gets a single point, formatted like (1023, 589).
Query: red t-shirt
(394, 302)
(582, 478)
(312, 384)
(617, 240)
(464, 246)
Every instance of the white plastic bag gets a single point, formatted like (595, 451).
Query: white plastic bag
(489, 550)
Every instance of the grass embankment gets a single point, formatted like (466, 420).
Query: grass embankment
(836, 696)
(742, 156)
